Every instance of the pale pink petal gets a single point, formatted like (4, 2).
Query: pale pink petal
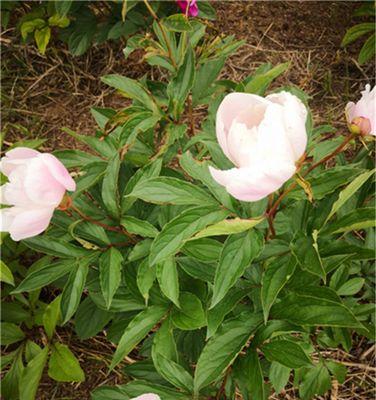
(6, 219)
(41, 186)
(16, 157)
(294, 117)
(350, 111)
(366, 107)
(25, 223)
(252, 184)
(147, 396)
(12, 194)
(58, 171)
(233, 105)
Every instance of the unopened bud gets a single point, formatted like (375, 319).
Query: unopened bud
(360, 126)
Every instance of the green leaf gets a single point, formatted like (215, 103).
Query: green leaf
(217, 314)
(44, 276)
(337, 369)
(137, 329)
(110, 265)
(51, 316)
(110, 195)
(30, 26)
(63, 365)
(177, 23)
(279, 375)
(6, 274)
(315, 382)
(361, 218)
(314, 309)
(305, 250)
(42, 37)
(348, 192)
(287, 353)
(206, 75)
(145, 278)
(62, 7)
(53, 247)
(71, 296)
(75, 158)
(274, 279)
(229, 227)
(260, 82)
(163, 190)
(367, 52)
(90, 319)
(222, 349)
(173, 372)
(10, 333)
(197, 269)
(132, 89)
(204, 249)
(356, 32)
(237, 253)
(168, 279)
(58, 20)
(174, 234)
(179, 87)
(32, 375)
(351, 287)
(200, 171)
(139, 227)
(248, 372)
(190, 315)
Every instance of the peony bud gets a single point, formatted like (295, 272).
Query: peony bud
(264, 138)
(192, 7)
(36, 186)
(361, 116)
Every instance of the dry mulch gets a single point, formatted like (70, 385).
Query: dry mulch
(42, 94)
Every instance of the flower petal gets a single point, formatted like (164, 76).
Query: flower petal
(24, 223)
(147, 396)
(233, 105)
(253, 184)
(16, 157)
(41, 186)
(58, 171)
(294, 117)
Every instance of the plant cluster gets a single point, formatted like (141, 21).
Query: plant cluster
(214, 274)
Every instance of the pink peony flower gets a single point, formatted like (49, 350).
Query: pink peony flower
(37, 184)
(193, 7)
(361, 116)
(147, 396)
(263, 137)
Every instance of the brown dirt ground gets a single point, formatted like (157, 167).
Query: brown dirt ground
(42, 94)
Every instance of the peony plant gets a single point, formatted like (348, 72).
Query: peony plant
(220, 256)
